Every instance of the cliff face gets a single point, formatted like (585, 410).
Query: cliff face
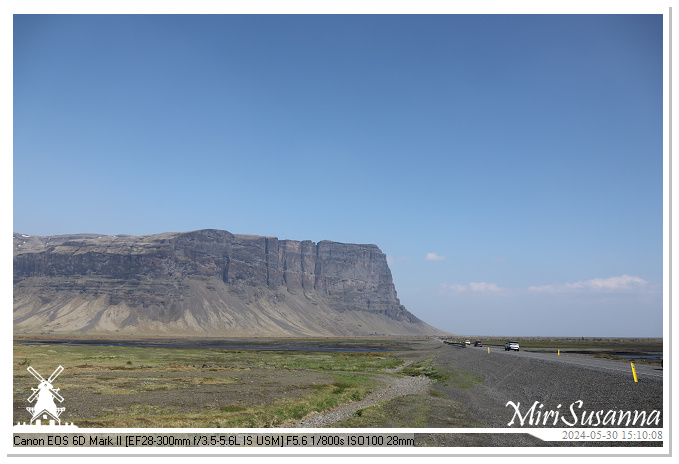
(207, 282)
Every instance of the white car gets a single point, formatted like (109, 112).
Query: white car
(510, 345)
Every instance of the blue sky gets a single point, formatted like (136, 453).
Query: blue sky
(511, 167)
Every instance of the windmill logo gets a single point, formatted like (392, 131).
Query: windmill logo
(44, 396)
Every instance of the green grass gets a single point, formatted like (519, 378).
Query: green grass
(463, 379)
(348, 380)
(433, 410)
(428, 369)
(121, 356)
(447, 376)
(346, 388)
(648, 361)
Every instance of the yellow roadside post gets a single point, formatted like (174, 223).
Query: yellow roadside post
(634, 372)
(488, 350)
(558, 352)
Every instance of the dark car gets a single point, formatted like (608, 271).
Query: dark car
(478, 343)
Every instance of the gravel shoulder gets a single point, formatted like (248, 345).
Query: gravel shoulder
(525, 381)
(550, 385)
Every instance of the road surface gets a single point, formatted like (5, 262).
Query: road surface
(511, 382)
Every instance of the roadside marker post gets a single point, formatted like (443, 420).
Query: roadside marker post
(558, 352)
(488, 350)
(634, 372)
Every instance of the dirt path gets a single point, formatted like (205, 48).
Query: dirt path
(397, 387)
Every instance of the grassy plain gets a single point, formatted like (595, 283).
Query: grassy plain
(123, 386)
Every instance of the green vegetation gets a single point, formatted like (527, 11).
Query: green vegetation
(641, 360)
(428, 369)
(462, 379)
(446, 375)
(347, 388)
(433, 410)
(232, 408)
(199, 387)
(122, 356)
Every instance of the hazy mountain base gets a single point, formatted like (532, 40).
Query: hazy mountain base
(208, 307)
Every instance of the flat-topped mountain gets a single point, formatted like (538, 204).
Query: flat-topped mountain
(204, 283)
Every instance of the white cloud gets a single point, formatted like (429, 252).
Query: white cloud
(434, 257)
(477, 287)
(610, 284)
(483, 287)
(455, 288)
(623, 282)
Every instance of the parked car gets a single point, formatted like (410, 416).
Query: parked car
(478, 343)
(510, 345)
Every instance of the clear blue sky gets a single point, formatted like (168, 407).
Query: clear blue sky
(511, 167)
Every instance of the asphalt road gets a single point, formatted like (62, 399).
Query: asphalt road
(642, 370)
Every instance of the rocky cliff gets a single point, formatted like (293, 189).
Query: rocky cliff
(206, 282)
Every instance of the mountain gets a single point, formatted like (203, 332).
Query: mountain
(204, 283)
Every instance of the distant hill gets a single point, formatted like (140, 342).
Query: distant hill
(204, 283)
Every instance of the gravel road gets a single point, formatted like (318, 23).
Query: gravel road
(551, 382)
(554, 383)
(524, 379)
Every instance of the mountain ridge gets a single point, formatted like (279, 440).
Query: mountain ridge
(206, 282)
